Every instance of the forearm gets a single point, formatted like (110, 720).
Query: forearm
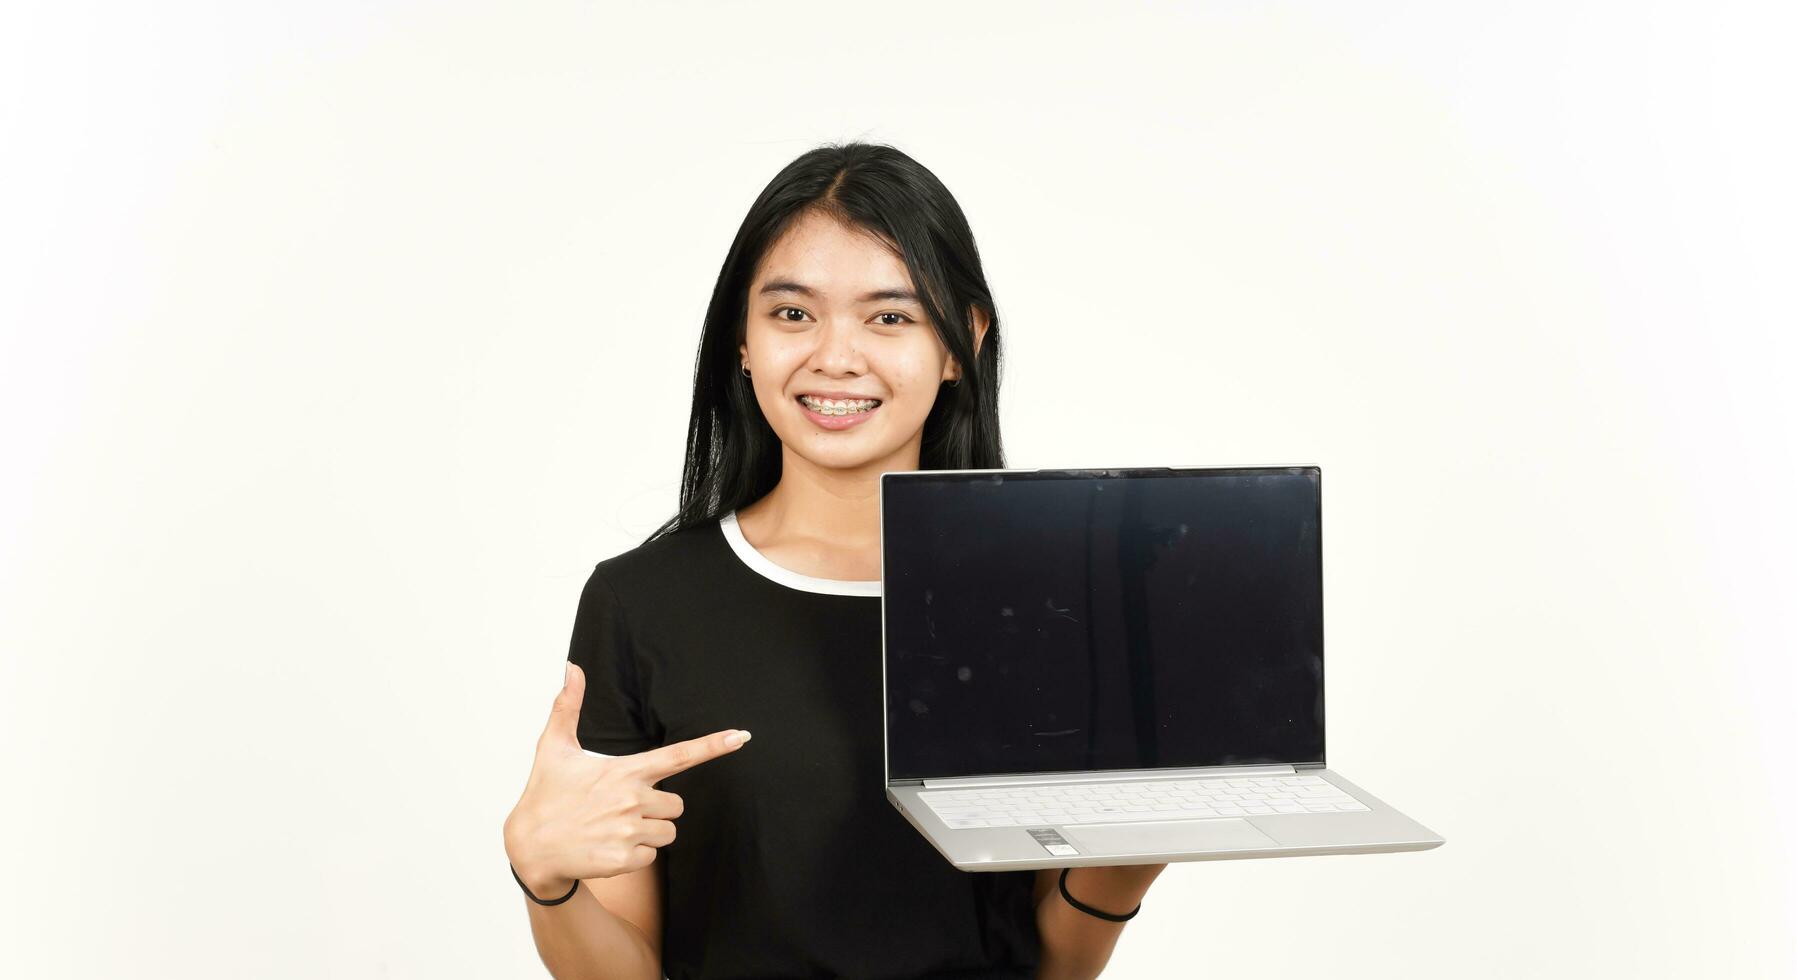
(580, 940)
(1076, 946)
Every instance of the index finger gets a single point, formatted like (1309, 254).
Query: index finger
(681, 756)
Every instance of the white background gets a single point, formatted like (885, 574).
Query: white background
(340, 341)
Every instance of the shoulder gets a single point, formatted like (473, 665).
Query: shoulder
(674, 562)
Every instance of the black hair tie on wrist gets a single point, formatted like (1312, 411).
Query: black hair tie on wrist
(537, 900)
(1089, 910)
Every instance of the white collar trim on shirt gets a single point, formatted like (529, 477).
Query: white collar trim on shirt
(786, 576)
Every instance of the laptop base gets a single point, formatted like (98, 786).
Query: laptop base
(1379, 829)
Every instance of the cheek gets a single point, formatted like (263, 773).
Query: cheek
(915, 366)
(777, 354)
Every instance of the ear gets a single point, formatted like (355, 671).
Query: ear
(744, 352)
(980, 323)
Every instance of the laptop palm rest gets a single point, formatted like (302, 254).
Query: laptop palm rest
(1230, 833)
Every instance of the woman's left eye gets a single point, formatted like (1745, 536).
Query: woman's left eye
(902, 318)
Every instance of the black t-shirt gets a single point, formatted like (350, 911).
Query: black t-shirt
(788, 860)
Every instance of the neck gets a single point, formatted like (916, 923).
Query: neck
(828, 504)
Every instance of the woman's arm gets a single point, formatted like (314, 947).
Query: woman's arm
(610, 929)
(1076, 946)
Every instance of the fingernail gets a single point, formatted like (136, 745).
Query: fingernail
(568, 672)
(736, 738)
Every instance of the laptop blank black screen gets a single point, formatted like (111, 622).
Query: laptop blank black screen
(1037, 622)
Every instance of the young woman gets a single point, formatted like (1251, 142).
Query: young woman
(851, 332)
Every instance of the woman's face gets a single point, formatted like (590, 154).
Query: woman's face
(844, 361)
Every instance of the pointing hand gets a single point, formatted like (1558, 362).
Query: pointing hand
(588, 816)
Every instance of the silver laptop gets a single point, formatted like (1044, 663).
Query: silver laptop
(1113, 666)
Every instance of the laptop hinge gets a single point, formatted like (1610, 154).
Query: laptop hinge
(1113, 776)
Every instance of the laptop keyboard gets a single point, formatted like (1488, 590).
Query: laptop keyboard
(1160, 799)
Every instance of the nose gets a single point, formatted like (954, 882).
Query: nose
(838, 352)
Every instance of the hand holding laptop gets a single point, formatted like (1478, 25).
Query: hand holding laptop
(585, 815)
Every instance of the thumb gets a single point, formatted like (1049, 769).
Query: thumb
(564, 718)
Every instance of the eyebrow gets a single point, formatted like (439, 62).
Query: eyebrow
(878, 295)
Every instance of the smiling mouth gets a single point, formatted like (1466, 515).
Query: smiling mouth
(825, 406)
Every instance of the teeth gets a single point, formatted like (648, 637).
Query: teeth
(831, 406)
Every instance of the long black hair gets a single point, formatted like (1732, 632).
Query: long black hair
(732, 454)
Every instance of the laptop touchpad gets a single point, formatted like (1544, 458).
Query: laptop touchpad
(1225, 834)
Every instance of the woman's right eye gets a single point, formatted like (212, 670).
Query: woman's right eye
(780, 313)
